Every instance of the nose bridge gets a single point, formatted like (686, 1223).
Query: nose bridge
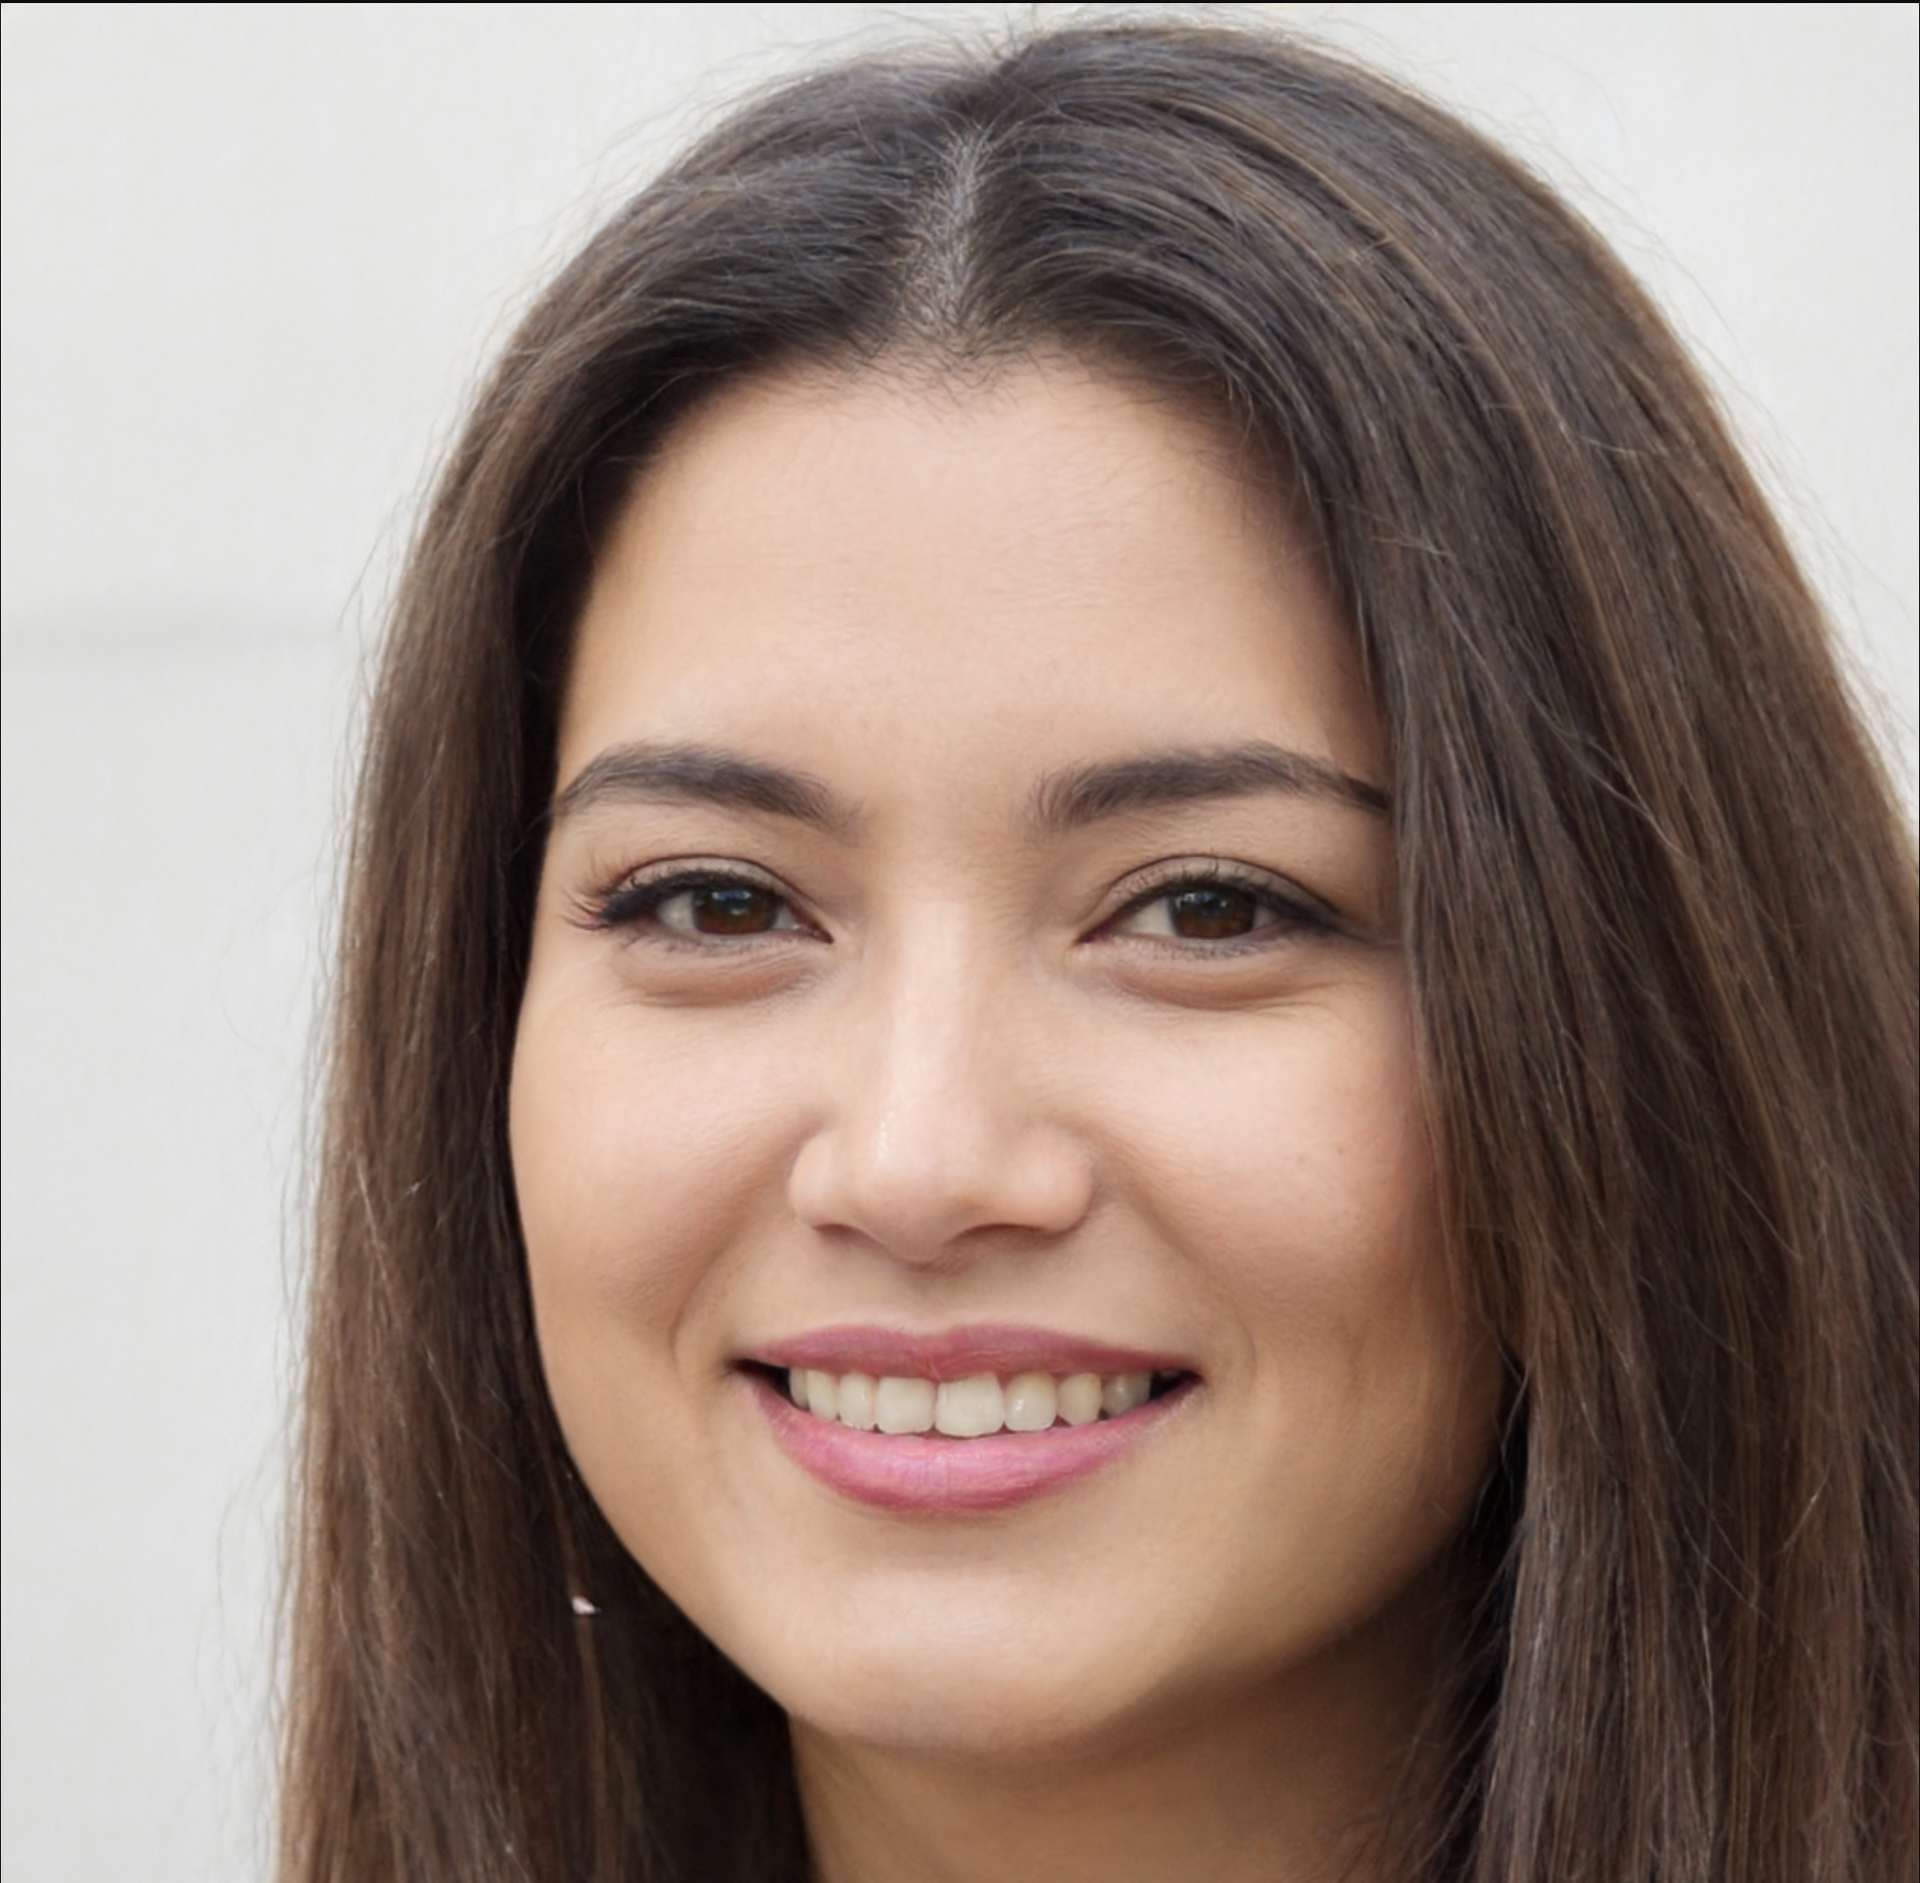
(936, 1122)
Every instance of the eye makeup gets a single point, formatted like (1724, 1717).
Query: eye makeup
(694, 901)
(1210, 905)
(1194, 906)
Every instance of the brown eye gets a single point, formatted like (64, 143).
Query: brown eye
(730, 909)
(1212, 913)
(718, 909)
(698, 904)
(1204, 909)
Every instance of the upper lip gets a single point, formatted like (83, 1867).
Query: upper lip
(960, 1353)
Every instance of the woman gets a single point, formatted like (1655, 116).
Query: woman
(1125, 1074)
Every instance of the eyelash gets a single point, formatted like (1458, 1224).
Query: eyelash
(635, 905)
(1290, 910)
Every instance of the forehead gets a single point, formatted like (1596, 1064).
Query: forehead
(897, 582)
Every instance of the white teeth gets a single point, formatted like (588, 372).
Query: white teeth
(901, 1406)
(1032, 1402)
(1080, 1398)
(969, 1408)
(856, 1401)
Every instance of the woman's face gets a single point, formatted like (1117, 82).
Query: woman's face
(966, 957)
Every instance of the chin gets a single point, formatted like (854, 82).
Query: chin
(974, 1687)
(957, 1709)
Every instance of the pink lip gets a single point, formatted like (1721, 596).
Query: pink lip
(959, 1354)
(929, 1475)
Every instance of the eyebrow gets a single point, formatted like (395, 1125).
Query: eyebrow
(1064, 800)
(630, 774)
(1085, 794)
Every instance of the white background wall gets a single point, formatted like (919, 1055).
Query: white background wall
(254, 254)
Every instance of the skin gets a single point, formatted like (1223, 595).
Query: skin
(963, 1064)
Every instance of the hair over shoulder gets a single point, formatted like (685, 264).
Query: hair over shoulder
(1659, 916)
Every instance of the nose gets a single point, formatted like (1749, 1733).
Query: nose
(941, 1121)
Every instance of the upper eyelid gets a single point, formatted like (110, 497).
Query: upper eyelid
(661, 880)
(1164, 879)
(1140, 889)
(692, 871)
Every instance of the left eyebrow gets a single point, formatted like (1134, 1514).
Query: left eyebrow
(1084, 794)
(700, 774)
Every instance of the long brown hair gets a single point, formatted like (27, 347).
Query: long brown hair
(1659, 918)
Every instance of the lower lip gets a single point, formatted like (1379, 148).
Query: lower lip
(932, 1475)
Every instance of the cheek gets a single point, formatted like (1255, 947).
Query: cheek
(1293, 1164)
(1292, 1169)
(642, 1167)
(646, 1178)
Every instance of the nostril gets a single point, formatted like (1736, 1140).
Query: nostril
(919, 1195)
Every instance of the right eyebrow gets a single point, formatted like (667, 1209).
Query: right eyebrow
(1085, 794)
(699, 774)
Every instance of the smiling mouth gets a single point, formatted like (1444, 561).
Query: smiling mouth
(981, 1406)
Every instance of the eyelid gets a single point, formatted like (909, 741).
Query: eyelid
(636, 894)
(642, 890)
(1146, 887)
